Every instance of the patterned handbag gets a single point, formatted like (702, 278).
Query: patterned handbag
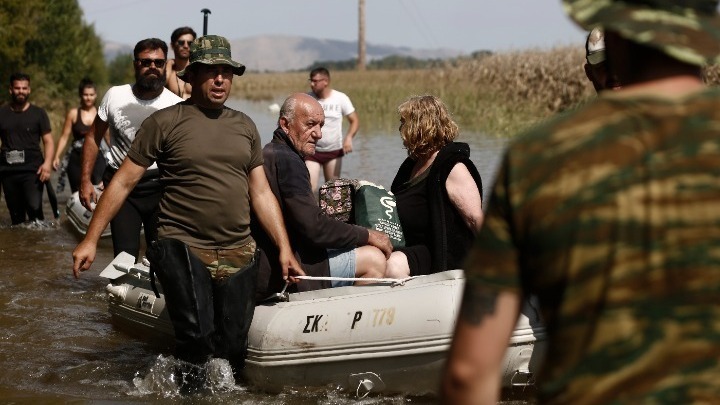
(336, 199)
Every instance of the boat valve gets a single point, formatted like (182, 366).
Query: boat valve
(366, 383)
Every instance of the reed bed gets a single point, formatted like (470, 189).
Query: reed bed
(499, 94)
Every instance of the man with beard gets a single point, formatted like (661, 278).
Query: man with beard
(122, 110)
(180, 41)
(24, 167)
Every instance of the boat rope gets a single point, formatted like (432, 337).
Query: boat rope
(393, 281)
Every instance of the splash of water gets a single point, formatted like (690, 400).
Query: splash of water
(37, 225)
(159, 379)
(163, 378)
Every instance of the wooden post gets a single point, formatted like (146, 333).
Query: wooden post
(361, 35)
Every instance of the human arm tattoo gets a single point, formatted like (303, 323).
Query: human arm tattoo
(477, 303)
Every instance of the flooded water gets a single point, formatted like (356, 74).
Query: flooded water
(57, 343)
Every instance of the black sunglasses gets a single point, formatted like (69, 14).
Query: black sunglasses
(184, 42)
(159, 63)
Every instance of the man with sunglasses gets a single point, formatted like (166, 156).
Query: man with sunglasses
(122, 110)
(180, 41)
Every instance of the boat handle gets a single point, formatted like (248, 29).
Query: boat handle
(526, 375)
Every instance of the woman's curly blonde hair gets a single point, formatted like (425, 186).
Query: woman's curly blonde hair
(425, 125)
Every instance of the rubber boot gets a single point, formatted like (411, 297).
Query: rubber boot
(187, 287)
(234, 299)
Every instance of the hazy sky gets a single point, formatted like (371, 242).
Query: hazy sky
(465, 25)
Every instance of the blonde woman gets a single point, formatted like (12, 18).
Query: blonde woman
(438, 192)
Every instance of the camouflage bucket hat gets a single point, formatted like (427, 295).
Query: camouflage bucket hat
(212, 50)
(686, 30)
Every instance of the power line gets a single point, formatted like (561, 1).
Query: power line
(420, 24)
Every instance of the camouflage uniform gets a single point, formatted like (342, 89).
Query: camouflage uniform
(611, 218)
(610, 215)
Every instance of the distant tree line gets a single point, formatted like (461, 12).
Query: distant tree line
(49, 41)
(393, 62)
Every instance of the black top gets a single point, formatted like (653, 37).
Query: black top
(22, 131)
(448, 238)
(79, 129)
(413, 210)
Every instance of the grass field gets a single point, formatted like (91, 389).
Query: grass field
(499, 94)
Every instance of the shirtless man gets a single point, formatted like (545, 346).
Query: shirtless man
(180, 41)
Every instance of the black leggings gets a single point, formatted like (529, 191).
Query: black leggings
(74, 169)
(23, 195)
(140, 209)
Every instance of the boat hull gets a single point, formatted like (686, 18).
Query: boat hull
(377, 338)
(79, 216)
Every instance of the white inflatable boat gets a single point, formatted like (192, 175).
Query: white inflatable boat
(79, 216)
(378, 338)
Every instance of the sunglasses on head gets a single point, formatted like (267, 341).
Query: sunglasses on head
(159, 63)
(184, 42)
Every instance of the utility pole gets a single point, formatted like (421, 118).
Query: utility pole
(361, 35)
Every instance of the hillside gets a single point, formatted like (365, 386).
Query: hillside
(277, 53)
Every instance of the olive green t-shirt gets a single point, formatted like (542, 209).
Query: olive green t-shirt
(205, 157)
(610, 215)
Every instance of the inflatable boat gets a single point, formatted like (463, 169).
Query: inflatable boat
(79, 216)
(390, 338)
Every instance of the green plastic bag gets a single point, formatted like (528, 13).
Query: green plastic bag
(375, 208)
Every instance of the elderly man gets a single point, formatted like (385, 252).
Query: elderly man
(325, 246)
(609, 216)
(210, 162)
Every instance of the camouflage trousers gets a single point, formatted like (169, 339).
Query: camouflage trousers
(222, 263)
